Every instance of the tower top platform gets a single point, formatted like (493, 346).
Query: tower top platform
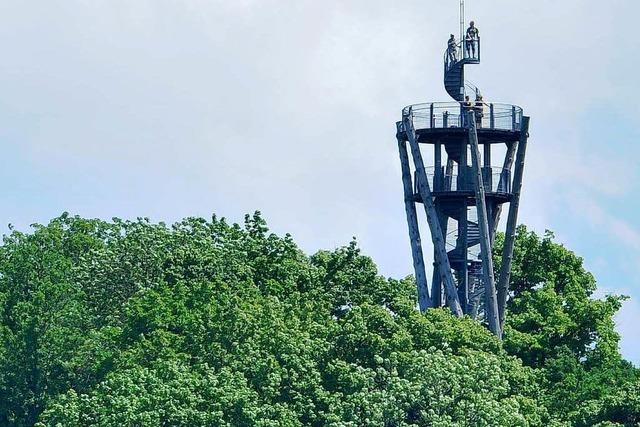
(439, 121)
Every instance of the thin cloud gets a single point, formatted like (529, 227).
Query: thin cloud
(169, 109)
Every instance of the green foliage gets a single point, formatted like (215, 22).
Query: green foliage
(208, 323)
(552, 310)
(555, 325)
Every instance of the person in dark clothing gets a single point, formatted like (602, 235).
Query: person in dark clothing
(472, 39)
(467, 106)
(451, 49)
(478, 109)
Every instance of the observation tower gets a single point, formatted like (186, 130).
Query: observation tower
(452, 174)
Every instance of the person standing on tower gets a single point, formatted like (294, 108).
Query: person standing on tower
(451, 50)
(467, 107)
(472, 39)
(478, 109)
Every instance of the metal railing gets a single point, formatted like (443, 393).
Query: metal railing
(465, 51)
(446, 115)
(495, 179)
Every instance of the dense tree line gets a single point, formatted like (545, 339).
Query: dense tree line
(205, 323)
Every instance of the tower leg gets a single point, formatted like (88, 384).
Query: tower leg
(512, 220)
(436, 282)
(436, 287)
(491, 301)
(439, 185)
(412, 220)
(463, 230)
(463, 273)
(508, 163)
(441, 257)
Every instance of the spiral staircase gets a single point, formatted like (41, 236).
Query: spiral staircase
(454, 82)
(458, 88)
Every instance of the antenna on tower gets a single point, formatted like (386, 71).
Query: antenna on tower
(461, 20)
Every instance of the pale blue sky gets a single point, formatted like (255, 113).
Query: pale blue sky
(174, 108)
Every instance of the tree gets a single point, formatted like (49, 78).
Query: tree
(209, 323)
(555, 324)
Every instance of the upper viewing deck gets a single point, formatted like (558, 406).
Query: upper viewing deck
(499, 122)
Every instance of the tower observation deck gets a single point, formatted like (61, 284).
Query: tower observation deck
(461, 190)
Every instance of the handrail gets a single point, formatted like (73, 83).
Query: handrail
(461, 53)
(446, 115)
(473, 88)
(496, 180)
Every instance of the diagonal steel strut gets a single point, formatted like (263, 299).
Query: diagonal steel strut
(412, 221)
(491, 300)
(441, 257)
(512, 220)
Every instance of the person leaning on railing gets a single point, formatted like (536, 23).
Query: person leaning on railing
(451, 49)
(478, 109)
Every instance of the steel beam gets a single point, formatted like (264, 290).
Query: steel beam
(437, 176)
(512, 222)
(508, 163)
(436, 282)
(424, 300)
(491, 302)
(463, 229)
(448, 173)
(463, 243)
(440, 250)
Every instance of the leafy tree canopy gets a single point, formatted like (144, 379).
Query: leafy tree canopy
(130, 323)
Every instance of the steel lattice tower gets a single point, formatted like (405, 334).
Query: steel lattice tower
(462, 193)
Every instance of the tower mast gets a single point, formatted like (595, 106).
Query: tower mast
(461, 21)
